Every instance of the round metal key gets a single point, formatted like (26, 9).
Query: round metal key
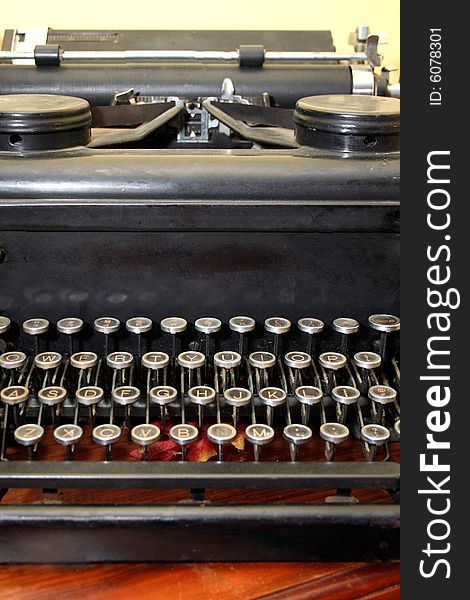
(345, 394)
(67, 435)
(106, 434)
(12, 360)
(367, 360)
(382, 394)
(155, 360)
(89, 395)
(297, 434)
(52, 395)
(272, 396)
(262, 360)
(29, 435)
(174, 325)
(183, 434)
(201, 394)
(14, 394)
(375, 434)
(221, 433)
(345, 325)
(242, 324)
(227, 359)
(84, 360)
(70, 325)
(310, 325)
(139, 325)
(5, 324)
(125, 394)
(308, 394)
(163, 395)
(145, 434)
(119, 360)
(335, 433)
(332, 360)
(277, 325)
(237, 396)
(384, 323)
(107, 325)
(47, 360)
(298, 360)
(208, 325)
(259, 434)
(191, 359)
(36, 326)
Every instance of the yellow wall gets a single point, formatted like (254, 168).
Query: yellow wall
(340, 16)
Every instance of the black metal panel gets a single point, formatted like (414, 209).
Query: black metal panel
(227, 475)
(201, 532)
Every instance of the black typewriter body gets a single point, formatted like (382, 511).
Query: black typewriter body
(298, 233)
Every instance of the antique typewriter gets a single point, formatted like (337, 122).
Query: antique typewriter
(199, 297)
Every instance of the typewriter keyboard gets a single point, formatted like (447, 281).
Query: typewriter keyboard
(139, 390)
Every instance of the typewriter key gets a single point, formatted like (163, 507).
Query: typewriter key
(14, 394)
(237, 397)
(106, 434)
(374, 435)
(155, 360)
(12, 360)
(221, 434)
(89, 395)
(52, 395)
(241, 325)
(307, 395)
(311, 327)
(84, 360)
(70, 325)
(297, 360)
(145, 435)
(125, 395)
(68, 435)
(119, 360)
(385, 324)
(366, 361)
(345, 327)
(262, 360)
(5, 324)
(36, 327)
(331, 362)
(183, 434)
(191, 359)
(174, 325)
(139, 325)
(272, 397)
(29, 435)
(202, 396)
(296, 435)
(382, 394)
(106, 326)
(345, 394)
(259, 434)
(333, 434)
(208, 325)
(47, 360)
(163, 395)
(397, 426)
(277, 326)
(227, 359)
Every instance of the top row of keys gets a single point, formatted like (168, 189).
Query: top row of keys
(208, 325)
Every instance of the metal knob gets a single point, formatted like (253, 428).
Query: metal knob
(259, 435)
(221, 434)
